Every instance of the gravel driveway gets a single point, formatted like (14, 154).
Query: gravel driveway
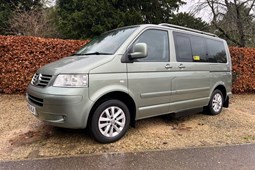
(23, 136)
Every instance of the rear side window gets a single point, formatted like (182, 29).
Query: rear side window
(198, 48)
(216, 51)
(183, 48)
(192, 48)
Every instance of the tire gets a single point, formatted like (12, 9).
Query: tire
(110, 121)
(216, 103)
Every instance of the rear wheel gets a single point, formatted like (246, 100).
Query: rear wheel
(216, 103)
(110, 121)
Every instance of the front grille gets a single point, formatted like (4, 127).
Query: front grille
(37, 101)
(41, 80)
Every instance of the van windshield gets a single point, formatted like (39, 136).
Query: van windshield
(107, 43)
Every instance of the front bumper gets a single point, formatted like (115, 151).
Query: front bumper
(62, 107)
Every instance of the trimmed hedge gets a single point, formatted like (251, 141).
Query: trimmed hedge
(21, 56)
(243, 60)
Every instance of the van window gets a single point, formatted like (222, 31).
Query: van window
(207, 50)
(158, 45)
(198, 48)
(183, 48)
(107, 43)
(216, 51)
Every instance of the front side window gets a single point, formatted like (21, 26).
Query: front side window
(158, 45)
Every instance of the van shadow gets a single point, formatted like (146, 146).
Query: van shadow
(42, 133)
(176, 122)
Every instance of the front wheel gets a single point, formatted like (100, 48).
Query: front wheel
(110, 121)
(216, 103)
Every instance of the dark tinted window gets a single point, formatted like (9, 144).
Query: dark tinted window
(198, 48)
(183, 48)
(158, 45)
(216, 51)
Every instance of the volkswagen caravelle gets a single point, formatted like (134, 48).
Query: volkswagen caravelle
(133, 73)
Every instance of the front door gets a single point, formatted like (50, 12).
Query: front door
(149, 79)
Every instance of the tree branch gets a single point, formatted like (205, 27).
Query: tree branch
(226, 34)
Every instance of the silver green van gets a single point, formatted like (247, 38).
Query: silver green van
(133, 73)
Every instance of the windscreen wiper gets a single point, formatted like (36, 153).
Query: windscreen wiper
(77, 54)
(97, 53)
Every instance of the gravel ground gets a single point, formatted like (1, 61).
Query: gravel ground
(23, 136)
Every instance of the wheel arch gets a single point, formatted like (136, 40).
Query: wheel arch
(220, 86)
(119, 95)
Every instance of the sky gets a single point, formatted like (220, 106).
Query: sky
(190, 4)
(187, 6)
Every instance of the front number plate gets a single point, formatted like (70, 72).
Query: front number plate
(31, 109)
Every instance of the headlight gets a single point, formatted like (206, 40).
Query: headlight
(71, 80)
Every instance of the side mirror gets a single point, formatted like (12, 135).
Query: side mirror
(140, 51)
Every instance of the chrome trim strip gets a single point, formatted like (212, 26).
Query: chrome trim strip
(156, 94)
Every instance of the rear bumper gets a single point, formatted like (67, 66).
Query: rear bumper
(62, 107)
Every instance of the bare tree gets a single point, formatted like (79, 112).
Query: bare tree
(35, 22)
(232, 18)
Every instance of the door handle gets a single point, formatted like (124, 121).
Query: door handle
(181, 66)
(168, 66)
